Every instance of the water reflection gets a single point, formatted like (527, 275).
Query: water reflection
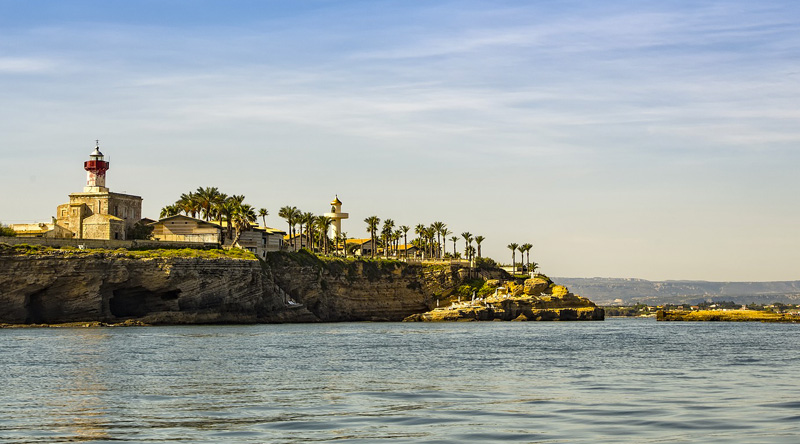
(78, 405)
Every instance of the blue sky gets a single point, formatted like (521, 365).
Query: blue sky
(623, 139)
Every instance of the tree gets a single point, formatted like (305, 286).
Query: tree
(324, 224)
(386, 234)
(478, 240)
(467, 241)
(290, 214)
(263, 213)
(439, 228)
(419, 230)
(445, 233)
(189, 204)
(7, 231)
(430, 234)
(372, 227)
(526, 248)
(521, 250)
(454, 239)
(169, 211)
(225, 211)
(343, 238)
(513, 247)
(207, 199)
(243, 216)
(405, 229)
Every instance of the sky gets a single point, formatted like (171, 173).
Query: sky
(655, 140)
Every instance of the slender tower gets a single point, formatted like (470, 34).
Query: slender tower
(95, 172)
(337, 216)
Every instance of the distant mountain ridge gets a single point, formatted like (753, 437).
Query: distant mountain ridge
(624, 291)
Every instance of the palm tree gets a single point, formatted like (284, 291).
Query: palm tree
(430, 233)
(467, 241)
(404, 229)
(445, 233)
(478, 240)
(225, 210)
(207, 199)
(438, 227)
(290, 214)
(188, 204)
(169, 211)
(343, 239)
(372, 227)
(420, 232)
(526, 248)
(263, 213)
(386, 234)
(521, 250)
(309, 220)
(324, 223)
(243, 216)
(454, 239)
(513, 247)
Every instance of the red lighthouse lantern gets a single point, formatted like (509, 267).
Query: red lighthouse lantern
(96, 170)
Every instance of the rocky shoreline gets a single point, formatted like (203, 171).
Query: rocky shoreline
(535, 299)
(726, 316)
(76, 288)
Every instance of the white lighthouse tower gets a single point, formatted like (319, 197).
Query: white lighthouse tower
(337, 216)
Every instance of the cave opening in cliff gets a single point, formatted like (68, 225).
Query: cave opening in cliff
(35, 310)
(139, 301)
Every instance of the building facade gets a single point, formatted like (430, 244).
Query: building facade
(95, 213)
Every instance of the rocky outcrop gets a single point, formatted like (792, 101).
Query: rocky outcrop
(536, 299)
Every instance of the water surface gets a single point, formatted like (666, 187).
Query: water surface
(622, 380)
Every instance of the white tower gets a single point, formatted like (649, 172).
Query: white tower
(337, 216)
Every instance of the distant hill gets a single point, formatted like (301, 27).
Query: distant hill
(622, 291)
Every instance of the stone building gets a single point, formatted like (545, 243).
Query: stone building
(97, 213)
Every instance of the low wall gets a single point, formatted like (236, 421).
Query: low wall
(108, 244)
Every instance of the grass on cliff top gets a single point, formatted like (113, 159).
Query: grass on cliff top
(37, 250)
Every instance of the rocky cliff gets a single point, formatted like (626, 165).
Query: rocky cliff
(46, 286)
(55, 286)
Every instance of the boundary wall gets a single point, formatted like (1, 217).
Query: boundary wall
(107, 244)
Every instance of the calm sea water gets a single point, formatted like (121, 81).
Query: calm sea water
(620, 381)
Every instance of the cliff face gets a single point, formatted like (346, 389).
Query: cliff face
(61, 286)
(107, 287)
(58, 286)
(359, 290)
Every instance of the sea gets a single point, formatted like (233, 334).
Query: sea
(617, 381)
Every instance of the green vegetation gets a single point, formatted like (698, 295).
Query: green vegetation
(479, 286)
(143, 253)
(6, 231)
(139, 231)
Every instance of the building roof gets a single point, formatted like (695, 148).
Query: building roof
(269, 230)
(336, 201)
(358, 241)
(186, 218)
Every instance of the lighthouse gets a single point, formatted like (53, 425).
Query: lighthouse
(337, 216)
(96, 169)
